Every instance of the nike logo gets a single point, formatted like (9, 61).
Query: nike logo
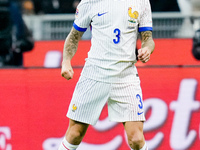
(139, 113)
(102, 13)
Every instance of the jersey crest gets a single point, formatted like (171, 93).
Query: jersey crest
(133, 17)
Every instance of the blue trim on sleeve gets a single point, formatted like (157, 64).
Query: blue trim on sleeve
(141, 29)
(79, 28)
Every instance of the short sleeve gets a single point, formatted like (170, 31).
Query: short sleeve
(146, 18)
(82, 17)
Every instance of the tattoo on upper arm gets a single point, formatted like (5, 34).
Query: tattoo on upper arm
(75, 35)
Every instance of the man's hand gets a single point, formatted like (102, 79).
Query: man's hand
(148, 46)
(144, 54)
(67, 71)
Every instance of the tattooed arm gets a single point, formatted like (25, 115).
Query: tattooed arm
(69, 50)
(148, 46)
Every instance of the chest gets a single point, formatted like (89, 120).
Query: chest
(122, 13)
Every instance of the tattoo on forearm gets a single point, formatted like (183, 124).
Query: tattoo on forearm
(71, 43)
(147, 40)
(146, 35)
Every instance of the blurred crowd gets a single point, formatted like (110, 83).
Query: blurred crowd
(15, 37)
(69, 6)
(48, 6)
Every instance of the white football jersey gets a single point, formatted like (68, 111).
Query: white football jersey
(115, 25)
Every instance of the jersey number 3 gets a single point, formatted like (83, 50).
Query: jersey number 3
(117, 32)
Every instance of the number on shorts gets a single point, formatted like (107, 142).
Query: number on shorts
(140, 100)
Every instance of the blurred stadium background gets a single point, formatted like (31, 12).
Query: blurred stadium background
(34, 98)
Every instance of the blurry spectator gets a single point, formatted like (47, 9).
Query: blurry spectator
(196, 45)
(55, 6)
(164, 5)
(196, 25)
(47, 6)
(69, 6)
(28, 7)
(16, 35)
(5, 32)
(75, 4)
(37, 6)
(22, 37)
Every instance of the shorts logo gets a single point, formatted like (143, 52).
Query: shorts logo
(139, 113)
(74, 108)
